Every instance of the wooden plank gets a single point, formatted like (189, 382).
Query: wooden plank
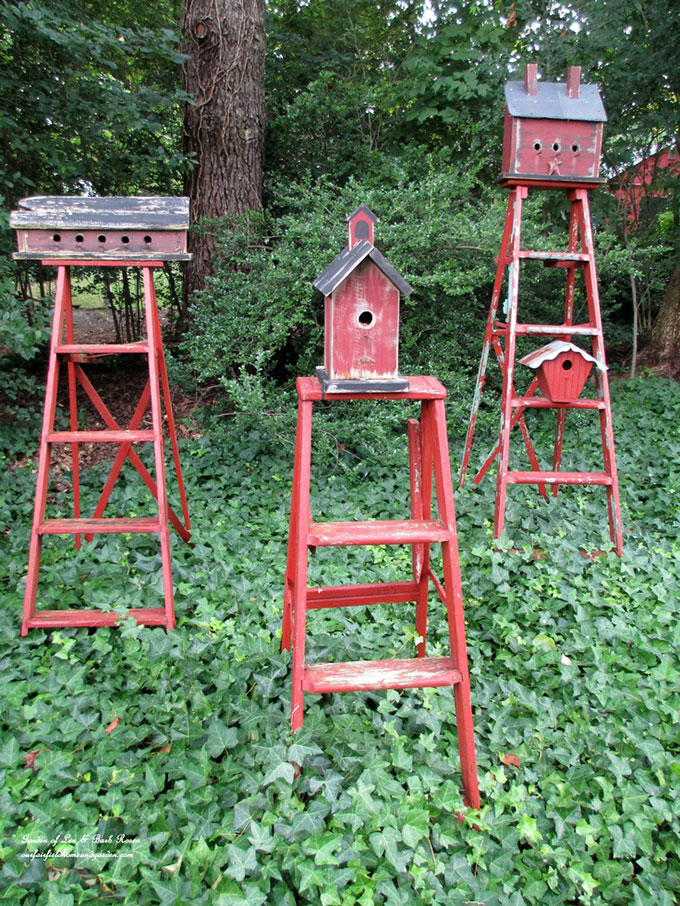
(87, 260)
(365, 676)
(559, 477)
(407, 531)
(76, 212)
(556, 330)
(135, 525)
(56, 619)
(537, 402)
(419, 388)
(102, 348)
(96, 437)
(361, 595)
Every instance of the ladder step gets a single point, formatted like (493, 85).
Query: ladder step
(559, 478)
(556, 330)
(408, 531)
(101, 348)
(362, 595)
(539, 402)
(99, 437)
(364, 676)
(571, 257)
(136, 525)
(56, 619)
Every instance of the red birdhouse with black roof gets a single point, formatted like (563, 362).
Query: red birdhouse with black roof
(553, 130)
(361, 330)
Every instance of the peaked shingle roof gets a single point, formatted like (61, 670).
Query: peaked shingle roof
(549, 352)
(551, 102)
(342, 266)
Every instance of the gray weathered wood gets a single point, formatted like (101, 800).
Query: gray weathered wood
(77, 212)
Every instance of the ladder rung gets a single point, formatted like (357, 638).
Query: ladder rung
(97, 437)
(136, 525)
(408, 531)
(101, 348)
(571, 257)
(362, 595)
(556, 330)
(559, 478)
(364, 676)
(54, 619)
(539, 402)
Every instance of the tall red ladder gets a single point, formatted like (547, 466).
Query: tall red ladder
(502, 337)
(428, 452)
(64, 350)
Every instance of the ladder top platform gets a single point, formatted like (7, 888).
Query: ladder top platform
(83, 230)
(420, 388)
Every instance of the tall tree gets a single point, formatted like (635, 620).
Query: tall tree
(224, 122)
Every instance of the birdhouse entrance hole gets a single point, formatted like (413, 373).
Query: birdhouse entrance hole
(567, 365)
(366, 318)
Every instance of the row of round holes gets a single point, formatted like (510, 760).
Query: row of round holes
(101, 238)
(556, 147)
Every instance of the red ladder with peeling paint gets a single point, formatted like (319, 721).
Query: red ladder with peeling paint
(428, 452)
(502, 336)
(64, 350)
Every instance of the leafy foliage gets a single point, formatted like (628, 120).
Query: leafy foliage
(179, 743)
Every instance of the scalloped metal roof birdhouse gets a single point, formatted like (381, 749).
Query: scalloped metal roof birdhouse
(553, 130)
(361, 329)
(562, 370)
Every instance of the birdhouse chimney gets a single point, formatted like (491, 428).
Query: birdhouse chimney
(530, 77)
(360, 226)
(573, 81)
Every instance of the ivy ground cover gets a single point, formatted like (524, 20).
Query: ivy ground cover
(141, 767)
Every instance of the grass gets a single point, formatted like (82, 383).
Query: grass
(171, 752)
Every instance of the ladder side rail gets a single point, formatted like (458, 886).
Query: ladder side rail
(303, 453)
(488, 339)
(601, 377)
(518, 193)
(172, 431)
(434, 414)
(154, 342)
(45, 452)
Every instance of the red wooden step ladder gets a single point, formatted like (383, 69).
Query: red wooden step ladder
(113, 232)
(428, 452)
(501, 336)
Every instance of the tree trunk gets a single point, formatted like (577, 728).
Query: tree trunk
(224, 125)
(663, 349)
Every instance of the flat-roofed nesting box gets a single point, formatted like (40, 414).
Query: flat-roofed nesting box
(562, 370)
(361, 330)
(74, 227)
(553, 130)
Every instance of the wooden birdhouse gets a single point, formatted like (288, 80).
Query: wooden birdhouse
(553, 130)
(79, 228)
(361, 329)
(562, 370)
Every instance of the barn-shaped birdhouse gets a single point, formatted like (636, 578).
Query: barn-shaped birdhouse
(562, 369)
(553, 130)
(362, 290)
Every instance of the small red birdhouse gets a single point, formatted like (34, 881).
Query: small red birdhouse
(562, 369)
(362, 290)
(553, 130)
